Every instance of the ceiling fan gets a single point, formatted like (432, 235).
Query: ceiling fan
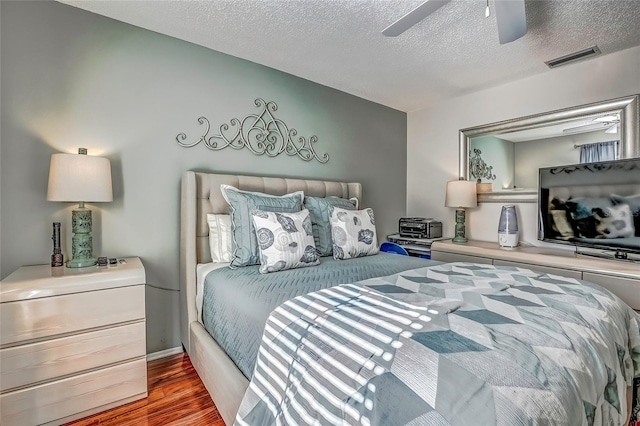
(609, 122)
(510, 15)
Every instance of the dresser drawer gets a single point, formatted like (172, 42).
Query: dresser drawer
(455, 257)
(50, 316)
(542, 269)
(57, 400)
(48, 360)
(626, 289)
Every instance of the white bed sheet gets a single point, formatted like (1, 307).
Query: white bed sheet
(202, 269)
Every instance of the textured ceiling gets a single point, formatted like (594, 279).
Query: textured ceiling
(338, 43)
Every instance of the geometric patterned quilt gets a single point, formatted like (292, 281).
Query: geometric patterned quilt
(453, 344)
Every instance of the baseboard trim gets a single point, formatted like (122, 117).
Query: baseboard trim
(164, 353)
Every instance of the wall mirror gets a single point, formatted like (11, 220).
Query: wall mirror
(505, 156)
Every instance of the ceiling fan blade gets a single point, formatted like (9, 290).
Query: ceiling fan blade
(586, 128)
(512, 20)
(612, 129)
(413, 17)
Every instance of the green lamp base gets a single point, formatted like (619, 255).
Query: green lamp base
(459, 230)
(82, 263)
(81, 242)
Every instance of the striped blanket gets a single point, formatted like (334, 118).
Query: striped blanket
(453, 344)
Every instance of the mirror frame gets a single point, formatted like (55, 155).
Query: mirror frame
(626, 106)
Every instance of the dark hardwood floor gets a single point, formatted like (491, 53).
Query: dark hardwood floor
(176, 397)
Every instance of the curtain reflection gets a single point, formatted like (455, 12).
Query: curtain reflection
(600, 151)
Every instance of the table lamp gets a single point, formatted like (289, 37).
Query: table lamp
(460, 194)
(80, 178)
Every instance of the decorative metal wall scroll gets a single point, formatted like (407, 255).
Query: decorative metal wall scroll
(261, 133)
(478, 168)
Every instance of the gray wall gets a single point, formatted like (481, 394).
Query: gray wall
(556, 151)
(432, 133)
(73, 79)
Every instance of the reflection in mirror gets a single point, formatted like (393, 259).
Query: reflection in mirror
(515, 157)
(505, 157)
(496, 154)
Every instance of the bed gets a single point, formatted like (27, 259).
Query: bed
(226, 379)
(200, 195)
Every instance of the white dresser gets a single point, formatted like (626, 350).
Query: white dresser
(72, 341)
(620, 277)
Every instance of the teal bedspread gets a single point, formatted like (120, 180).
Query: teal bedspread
(238, 301)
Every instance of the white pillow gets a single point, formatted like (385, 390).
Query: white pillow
(285, 240)
(353, 233)
(220, 237)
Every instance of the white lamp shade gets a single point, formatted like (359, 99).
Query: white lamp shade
(461, 193)
(79, 178)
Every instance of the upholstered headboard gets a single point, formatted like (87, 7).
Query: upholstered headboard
(201, 195)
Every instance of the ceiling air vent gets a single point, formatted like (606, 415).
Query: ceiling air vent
(573, 57)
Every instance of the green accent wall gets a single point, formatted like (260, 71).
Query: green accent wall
(73, 79)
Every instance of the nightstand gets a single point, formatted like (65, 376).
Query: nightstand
(72, 341)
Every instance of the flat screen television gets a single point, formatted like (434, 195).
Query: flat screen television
(593, 205)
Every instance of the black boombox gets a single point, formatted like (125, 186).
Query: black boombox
(420, 227)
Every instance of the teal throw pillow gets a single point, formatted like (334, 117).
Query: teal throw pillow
(241, 204)
(320, 211)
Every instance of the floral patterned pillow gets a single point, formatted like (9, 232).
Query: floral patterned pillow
(285, 240)
(353, 233)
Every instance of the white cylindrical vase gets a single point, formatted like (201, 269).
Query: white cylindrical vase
(508, 227)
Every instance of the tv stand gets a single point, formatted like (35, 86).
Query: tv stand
(621, 278)
(618, 255)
